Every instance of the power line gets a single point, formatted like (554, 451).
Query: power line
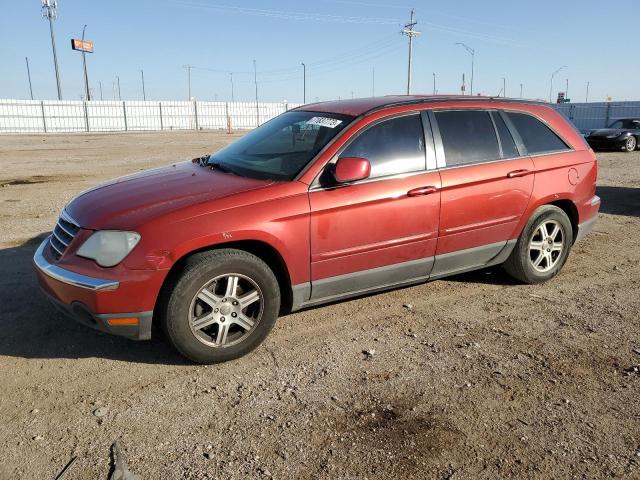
(290, 15)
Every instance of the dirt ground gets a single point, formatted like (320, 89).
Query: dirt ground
(479, 377)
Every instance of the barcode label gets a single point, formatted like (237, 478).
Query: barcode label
(324, 122)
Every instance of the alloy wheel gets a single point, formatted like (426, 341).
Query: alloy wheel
(631, 144)
(546, 245)
(226, 310)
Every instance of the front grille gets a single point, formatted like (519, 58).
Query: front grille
(64, 232)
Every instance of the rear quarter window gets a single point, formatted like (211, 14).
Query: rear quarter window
(536, 136)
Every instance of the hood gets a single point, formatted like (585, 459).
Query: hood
(128, 201)
(605, 132)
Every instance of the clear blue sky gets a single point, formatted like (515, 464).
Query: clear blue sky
(340, 41)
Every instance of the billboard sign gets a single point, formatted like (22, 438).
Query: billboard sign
(82, 45)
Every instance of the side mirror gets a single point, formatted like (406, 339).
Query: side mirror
(352, 169)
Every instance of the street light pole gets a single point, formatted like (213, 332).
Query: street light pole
(26, 59)
(255, 81)
(520, 90)
(100, 83)
(434, 83)
(504, 87)
(119, 94)
(304, 83)
(49, 11)
(586, 99)
(471, 52)
(144, 94)
(232, 94)
(551, 87)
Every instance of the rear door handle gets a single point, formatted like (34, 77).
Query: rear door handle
(518, 173)
(422, 191)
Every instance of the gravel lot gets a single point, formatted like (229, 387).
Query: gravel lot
(470, 377)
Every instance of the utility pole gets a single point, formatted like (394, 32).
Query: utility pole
(304, 82)
(504, 87)
(144, 94)
(26, 59)
(119, 94)
(434, 83)
(188, 67)
(463, 88)
(255, 81)
(232, 95)
(586, 98)
(100, 83)
(551, 87)
(50, 12)
(472, 52)
(410, 32)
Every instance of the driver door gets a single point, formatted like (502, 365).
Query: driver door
(381, 231)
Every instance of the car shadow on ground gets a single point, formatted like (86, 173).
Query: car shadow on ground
(619, 200)
(33, 328)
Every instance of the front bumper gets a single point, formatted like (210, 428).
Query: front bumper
(77, 296)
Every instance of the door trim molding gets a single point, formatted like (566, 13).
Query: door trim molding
(364, 282)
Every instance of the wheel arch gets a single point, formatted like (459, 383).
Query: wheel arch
(568, 207)
(261, 249)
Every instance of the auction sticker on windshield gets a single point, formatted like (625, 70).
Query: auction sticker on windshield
(324, 122)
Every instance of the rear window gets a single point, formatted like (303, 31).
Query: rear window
(467, 136)
(536, 136)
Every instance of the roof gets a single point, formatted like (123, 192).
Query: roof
(360, 106)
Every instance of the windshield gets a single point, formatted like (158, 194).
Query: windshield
(626, 123)
(280, 148)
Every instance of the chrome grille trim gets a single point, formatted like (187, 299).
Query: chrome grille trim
(59, 239)
(63, 234)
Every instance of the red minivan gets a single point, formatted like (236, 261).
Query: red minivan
(327, 201)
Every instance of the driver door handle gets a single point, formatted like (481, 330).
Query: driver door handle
(518, 173)
(422, 191)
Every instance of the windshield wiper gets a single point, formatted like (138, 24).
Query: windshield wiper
(221, 167)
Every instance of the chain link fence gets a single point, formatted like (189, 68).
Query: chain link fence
(53, 116)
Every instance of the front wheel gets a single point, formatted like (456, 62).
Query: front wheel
(222, 305)
(543, 246)
(631, 144)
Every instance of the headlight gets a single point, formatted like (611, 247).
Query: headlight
(108, 247)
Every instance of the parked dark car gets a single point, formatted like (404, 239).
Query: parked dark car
(623, 134)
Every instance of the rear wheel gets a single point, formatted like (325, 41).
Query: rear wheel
(631, 144)
(543, 246)
(222, 306)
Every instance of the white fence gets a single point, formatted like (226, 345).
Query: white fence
(53, 116)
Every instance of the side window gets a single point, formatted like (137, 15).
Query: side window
(536, 136)
(509, 149)
(393, 146)
(468, 136)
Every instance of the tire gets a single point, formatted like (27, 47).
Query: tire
(631, 144)
(532, 243)
(226, 321)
